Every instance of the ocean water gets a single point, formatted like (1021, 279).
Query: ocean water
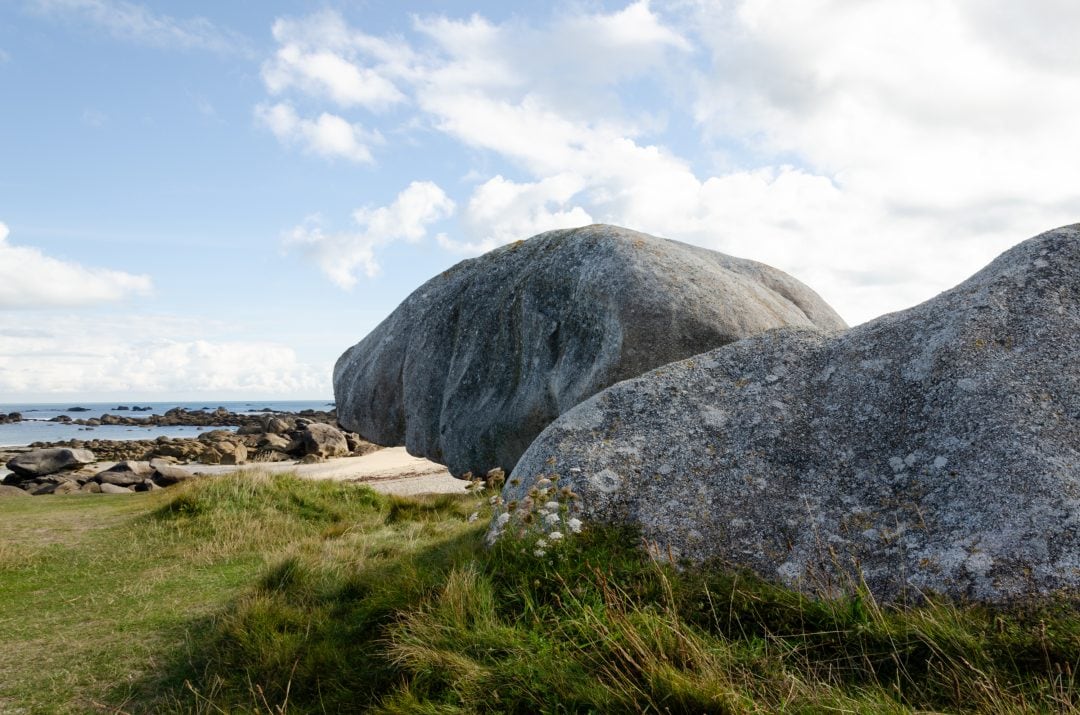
(36, 427)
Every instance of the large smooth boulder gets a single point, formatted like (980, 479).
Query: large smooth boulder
(932, 450)
(42, 462)
(478, 360)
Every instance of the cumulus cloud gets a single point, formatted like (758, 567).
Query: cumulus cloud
(501, 211)
(30, 279)
(879, 151)
(574, 63)
(136, 23)
(327, 135)
(61, 354)
(407, 218)
(326, 73)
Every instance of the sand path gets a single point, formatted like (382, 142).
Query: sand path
(391, 471)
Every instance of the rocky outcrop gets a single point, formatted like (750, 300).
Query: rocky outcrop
(43, 462)
(272, 436)
(324, 441)
(152, 464)
(932, 450)
(478, 360)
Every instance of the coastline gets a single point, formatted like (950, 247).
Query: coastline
(308, 443)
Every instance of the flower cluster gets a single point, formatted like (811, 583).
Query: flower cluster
(546, 511)
(493, 481)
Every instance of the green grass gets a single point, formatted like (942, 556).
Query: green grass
(275, 595)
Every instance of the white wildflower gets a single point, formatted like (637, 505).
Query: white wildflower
(543, 483)
(575, 524)
(502, 520)
(541, 544)
(555, 535)
(552, 506)
(551, 519)
(474, 516)
(539, 553)
(495, 500)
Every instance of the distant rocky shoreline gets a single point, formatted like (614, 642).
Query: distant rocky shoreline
(76, 465)
(176, 417)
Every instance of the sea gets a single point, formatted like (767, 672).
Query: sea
(36, 426)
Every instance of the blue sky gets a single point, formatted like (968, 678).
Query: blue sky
(217, 198)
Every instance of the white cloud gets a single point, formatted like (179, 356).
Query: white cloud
(30, 279)
(137, 23)
(501, 211)
(339, 255)
(909, 100)
(328, 74)
(4, 56)
(880, 151)
(147, 355)
(328, 135)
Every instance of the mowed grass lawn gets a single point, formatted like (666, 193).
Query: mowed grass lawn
(105, 600)
(265, 594)
(94, 593)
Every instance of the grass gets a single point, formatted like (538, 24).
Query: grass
(276, 595)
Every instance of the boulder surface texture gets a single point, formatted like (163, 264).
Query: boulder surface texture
(42, 462)
(477, 361)
(931, 450)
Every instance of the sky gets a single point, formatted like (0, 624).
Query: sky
(217, 198)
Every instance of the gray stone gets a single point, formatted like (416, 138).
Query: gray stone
(358, 446)
(42, 462)
(90, 488)
(931, 450)
(10, 491)
(232, 453)
(125, 474)
(478, 360)
(270, 455)
(323, 440)
(216, 435)
(166, 474)
(276, 425)
(115, 489)
(70, 487)
(274, 441)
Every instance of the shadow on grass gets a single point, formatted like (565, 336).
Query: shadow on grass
(595, 626)
(308, 637)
